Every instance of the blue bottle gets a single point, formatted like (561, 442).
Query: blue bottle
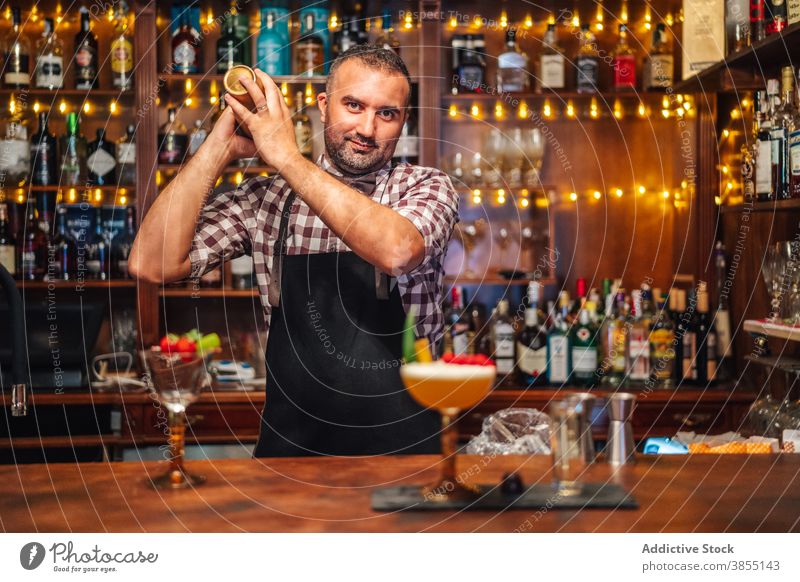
(321, 15)
(273, 48)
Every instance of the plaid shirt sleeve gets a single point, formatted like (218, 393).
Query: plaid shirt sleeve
(431, 204)
(222, 232)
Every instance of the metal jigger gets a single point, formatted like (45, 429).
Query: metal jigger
(620, 449)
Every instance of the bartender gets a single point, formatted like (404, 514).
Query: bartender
(343, 248)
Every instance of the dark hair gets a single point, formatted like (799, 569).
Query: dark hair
(373, 56)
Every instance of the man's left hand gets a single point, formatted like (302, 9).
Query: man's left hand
(270, 124)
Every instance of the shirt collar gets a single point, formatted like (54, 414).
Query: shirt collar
(379, 175)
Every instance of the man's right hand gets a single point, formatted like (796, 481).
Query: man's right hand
(227, 144)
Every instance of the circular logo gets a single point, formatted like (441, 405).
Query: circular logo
(31, 555)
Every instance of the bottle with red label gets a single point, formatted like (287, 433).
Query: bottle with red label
(624, 63)
(758, 29)
(776, 18)
(85, 54)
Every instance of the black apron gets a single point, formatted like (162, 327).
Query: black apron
(333, 358)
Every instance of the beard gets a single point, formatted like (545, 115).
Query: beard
(345, 151)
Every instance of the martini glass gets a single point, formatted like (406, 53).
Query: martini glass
(447, 388)
(470, 233)
(177, 383)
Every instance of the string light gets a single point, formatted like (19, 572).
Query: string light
(623, 12)
(618, 111)
(477, 21)
(573, 196)
(238, 178)
(594, 111)
(547, 110)
(503, 19)
(210, 17)
(98, 195)
(72, 195)
(476, 196)
(112, 107)
(187, 102)
(87, 107)
(522, 111)
(310, 96)
(576, 19)
(618, 192)
(499, 111)
(333, 22)
(598, 16)
(570, 112)
(528, 23)
(524, 202)
(408, 20)
(452, 111)
(648, 18)
(475, 111)
(36, 107)
(501, 196)
(642, 190)
(551, 19)
(453, 22)
(596, 194)
(669, 19)
(641, 110)
(665, 194)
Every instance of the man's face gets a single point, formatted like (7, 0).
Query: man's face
(363, 116)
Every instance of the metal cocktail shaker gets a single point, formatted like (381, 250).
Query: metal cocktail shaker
(620, 448)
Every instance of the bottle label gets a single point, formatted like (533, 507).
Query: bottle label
(28, 261)
(84, 58)
(662, 352)
(126, 153)
(532, 361)
(661, 71)
(764, 167)
(273, 57)
(588, 73)
(794, 152)
(757, 11)
(8, 258)
(689, 352)
(584, 360)
(50, 72)
(504, 340)
(553, 71)
(460, 339)
(640, 355)
(302, 135)
(471, 78)
(185, 56)
(558, 365)
(16, 69)
(624, 71)
(16, 156)
(100, 162)
(793, 11)
(93, 266)
(121, 56)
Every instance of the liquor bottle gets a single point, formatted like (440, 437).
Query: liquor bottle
(763, 145)
(121, 51)
(624, 63)
(639, 340)
(458, 44)
(8, 248)
(459, 323)
(101, 162)
(309, 53)
(479, 330)
(49, 73)
(44, 155)
(407, 148)
(230, 50)
(15, 151)
(470, 69)
(302, 127)
(45, 209)
(273, 48)
(551, 61)
(587, 62)
(317, 27)
(677, 307)
(348, 36)
(776, 16)
(583, 348)
(121, 245)
(794, 155)
(782, 121)
(758, 24)
(98, 252)
(689, 329)
(512, 66)
(722, 317)
(126, 157)
(387, 39)
(186, 48)
(85, 54)
(662, 347)
(32, 245)
(660, 64)
(558, 352)
(197, 136)
(503, 338)
(706, 340)
(532, 342)
(615, 342)
(63, 251)
(172, 139)
(73, 154)
(16, 67)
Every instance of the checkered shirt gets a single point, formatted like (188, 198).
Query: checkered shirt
(245, 221)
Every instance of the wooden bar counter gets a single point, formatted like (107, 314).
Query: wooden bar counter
(701, 493)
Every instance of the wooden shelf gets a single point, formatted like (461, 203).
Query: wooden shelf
(87, 397)
(86, 283)
(252, 169)
(56, 93)
(772, 206)
(776, 49)
(82, 188)
(207, 293)
(601, 96)
(496, 280)
(201, 77)
(777, 330)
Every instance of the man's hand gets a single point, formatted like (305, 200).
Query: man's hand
(226, 143)
(270, 124)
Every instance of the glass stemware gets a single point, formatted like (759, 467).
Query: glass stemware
(447, 388)
(469, 234)
(502, 237)
(493, 151)
(772, 269)
(177, 383)
(533, 148)
(514, 159)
